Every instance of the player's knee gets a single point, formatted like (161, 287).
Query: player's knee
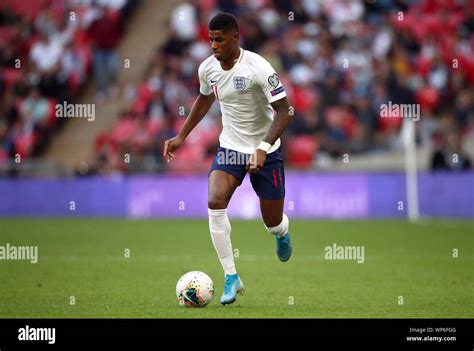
(216, 203)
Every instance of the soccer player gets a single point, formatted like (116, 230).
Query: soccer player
(247, 88)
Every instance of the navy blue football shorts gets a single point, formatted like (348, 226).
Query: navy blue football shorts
(268, 183)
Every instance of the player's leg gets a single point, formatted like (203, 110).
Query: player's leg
(223, 180)
(272, 212)
(277, 223)
(221, 187)
(269, 184)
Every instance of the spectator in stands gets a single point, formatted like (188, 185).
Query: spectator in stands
(8, 110)
(105, 32)
(46, 22)
(21, 138)
(9, 54)
(41, 47)
(464, 106)
(336, 138)
(342, 60)
(45, 54)
(3, 147)
(73, 69)
(8, 16)
(449, 155)
(468, 23)
(362, 111)
(35, 109)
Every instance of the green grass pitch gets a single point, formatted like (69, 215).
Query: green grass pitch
(85, 259)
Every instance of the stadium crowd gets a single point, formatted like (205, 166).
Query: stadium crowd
(339, 62)
(48, 49)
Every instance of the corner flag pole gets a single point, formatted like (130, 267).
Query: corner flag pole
(410, 169)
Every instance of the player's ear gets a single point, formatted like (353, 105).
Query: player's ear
(235, 36)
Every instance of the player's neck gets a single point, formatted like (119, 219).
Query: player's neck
(228, 64)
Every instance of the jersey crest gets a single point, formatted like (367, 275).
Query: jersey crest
(239, 83)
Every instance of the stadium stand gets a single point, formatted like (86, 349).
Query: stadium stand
(46, 57)
(339, 61)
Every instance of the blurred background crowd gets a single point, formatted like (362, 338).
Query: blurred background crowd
(339, 61)
(48, 50)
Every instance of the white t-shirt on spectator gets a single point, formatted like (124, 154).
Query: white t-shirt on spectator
(245, 93)
(46, 55)
(184, 22)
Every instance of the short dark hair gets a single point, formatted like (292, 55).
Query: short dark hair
(224, 21)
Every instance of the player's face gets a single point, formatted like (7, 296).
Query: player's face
(223, 43)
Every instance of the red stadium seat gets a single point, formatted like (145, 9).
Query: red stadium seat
(390, 123)
(153, 126)
(24, 144)
(6, 34)
(302, 98)
(3, 156)
(29, 8)
(100, 141)
(188, 159)
(423, 65)
(300, 150)
(141, 102)
(52, 119)
(427, 97)
(207, 5)
(123, 130)
(11, 76)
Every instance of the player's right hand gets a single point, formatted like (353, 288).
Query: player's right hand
(171, 145)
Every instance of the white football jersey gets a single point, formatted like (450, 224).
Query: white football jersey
(244, 93)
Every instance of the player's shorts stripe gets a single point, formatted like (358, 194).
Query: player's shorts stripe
(275, 178)
(279, 175)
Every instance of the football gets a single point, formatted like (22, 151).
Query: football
(195, 289)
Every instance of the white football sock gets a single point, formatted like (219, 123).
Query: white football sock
(282, 228)
(219, 227)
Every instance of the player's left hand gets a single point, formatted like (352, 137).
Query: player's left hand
(256, 162)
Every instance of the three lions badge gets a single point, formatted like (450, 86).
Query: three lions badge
(239, 83)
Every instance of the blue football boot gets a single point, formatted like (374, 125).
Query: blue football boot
(232, 286)
(284, 248)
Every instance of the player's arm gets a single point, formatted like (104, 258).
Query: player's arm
(281, 120)
(199, 109)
